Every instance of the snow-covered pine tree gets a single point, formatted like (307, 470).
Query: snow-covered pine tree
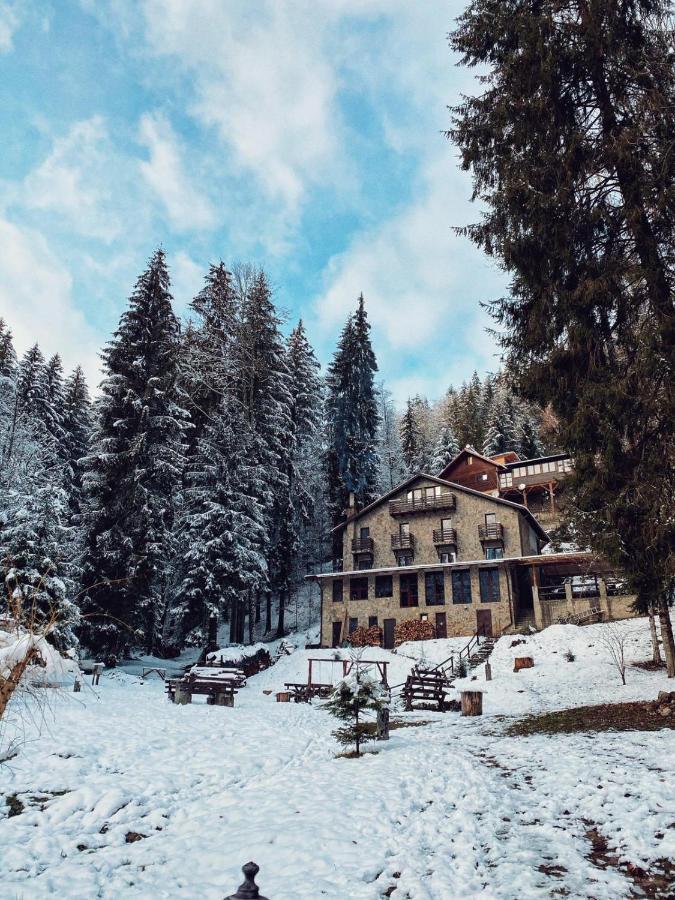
(55, 406)
(207, 353)
(503, 431)
(225, 528)
(358, 692)
(446, 448)
(352, 418)
(392, 464)
(531, 444)
(264, 390)
(132, 472)
(411, 437)
(305, 530)
(77, 426)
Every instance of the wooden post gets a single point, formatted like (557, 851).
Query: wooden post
(77, 686)
(472, 703)
(223, 698)
(383, 725)
(182, 695)
(488, 672)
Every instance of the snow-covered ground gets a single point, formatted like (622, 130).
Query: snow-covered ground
(452, 809)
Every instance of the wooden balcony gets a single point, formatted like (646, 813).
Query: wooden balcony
(403, 542)
(363, 546)
(445, 500)
(445, 537)
(492, 532)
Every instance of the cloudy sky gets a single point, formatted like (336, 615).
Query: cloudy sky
(301, 134)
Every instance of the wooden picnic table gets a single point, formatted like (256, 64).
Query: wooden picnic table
(303, 693)
(218, 691)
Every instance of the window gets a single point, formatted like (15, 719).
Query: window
(353, 625)
(446, 524)
(483, 476)
(448, 557)
(404, 529)
(365, 564)
(358, 588)
(506, 480)
(494, 553)
(461, 586)
(490, 518)
(408, 589)
(565, 465)
(424, 617)
(434, 588)
(431, 492)
(337, 591)
(372, 620)
(415, 494)
(489, 585)
(404, 559)
(365, 533)
(384, 586)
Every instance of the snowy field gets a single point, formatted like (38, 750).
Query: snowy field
(452, 809)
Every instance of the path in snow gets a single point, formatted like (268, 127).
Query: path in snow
(448, 810)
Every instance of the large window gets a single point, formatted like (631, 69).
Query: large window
(366, 563)
(372, 620)
(384, 586)
(434, 588)
(404, 559)
(489, 585)
(494, 553)
(447, 556)
(337, 591)
(408, 589)
(358, 588)
(353, 625)
(461, 586)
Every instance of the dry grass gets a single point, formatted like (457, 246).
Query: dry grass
(639, 716)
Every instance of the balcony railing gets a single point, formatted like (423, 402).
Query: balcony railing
(403, 542)
(444, 537)
(445, 500)
(492, 532)
(363, 545)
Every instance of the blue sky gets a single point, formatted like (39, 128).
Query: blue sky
(304, 135)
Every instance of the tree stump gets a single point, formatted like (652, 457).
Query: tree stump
(488, 672)
(522, 662)
(382, 727)
(182, 695)
(283, 697)
(472, 703)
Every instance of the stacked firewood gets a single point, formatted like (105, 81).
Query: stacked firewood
(366, 637)
(414, 630)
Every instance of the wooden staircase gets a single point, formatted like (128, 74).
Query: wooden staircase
(431, 686)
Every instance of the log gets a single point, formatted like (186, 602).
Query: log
(182, 695)
(522, 662)
(223, 698)
(472, 703)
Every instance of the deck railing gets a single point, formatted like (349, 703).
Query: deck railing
(494, 531)
(445, 536)
(363, 545)
(402, 541)
(445, 500)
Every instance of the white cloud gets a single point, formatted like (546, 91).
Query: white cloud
(80, 181)
(36, 302)
(9, 24)
(187, 208)
(264, 79)
(187, 279)
(422, 285)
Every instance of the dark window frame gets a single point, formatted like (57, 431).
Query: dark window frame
(408, 588)
(434, 588)
(338, 589)
(494, 553)
(356, 587)
(352, 624)
(387, 591)
(488, 579)
(461, 586)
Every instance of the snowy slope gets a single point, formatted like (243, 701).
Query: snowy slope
(454, 809)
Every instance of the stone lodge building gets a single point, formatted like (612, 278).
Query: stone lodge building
(466, 560)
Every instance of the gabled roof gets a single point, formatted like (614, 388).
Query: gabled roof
(449, 484)
(469, 451)
(552, 457)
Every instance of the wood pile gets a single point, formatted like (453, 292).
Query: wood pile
(413, 630)
(366, 637)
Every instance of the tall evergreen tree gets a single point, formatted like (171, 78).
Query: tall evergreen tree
(132, 472)
(446, 448)
(392, 464)
(503, 432)
(411, 437)
(570, 145)
(352, 417)
(77, 426)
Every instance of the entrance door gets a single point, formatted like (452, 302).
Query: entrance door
(484, 622)
(337, 630)
(389, 625)
(441, 626)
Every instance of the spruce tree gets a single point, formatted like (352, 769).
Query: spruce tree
(570, 146)
(446, 448)
(502, 430)
(77, 426)
(392, 464)
(411, 438)
(132, 472)
(352, 418)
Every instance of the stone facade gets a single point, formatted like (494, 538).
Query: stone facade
(489, 608)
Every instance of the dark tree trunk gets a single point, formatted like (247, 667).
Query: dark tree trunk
(667, 638)
(268, 612)
(282, 608)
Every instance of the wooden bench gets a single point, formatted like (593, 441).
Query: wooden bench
(303, 693)
(218, 691)
(224, 673)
